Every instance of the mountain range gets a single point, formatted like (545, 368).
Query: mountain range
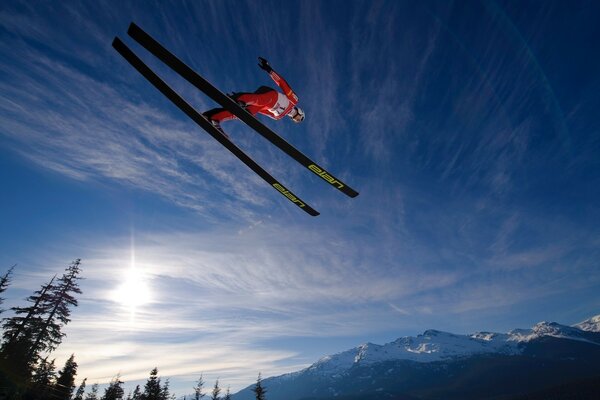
(442, 365)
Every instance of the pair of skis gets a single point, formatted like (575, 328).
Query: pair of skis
(226, 102)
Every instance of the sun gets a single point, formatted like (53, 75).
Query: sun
(134, 290)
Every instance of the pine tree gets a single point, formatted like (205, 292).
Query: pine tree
(137, 393)
(152, 390)
(16, 327)
(36, 329)
(164, 392)
(80, 390)
(258, 389)
(114, 391)
(19, 333)
(198, 389)
(216, 391)
(227, 394)
(65, 384)
(42, 384)
(4, 282)
(61, 299)
(93, 394)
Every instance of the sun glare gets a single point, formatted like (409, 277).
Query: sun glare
(134, 290)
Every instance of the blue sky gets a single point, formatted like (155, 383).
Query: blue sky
(469, 128)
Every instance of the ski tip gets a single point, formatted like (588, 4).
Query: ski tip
(132, 28)
(349, 192)
(117, 43)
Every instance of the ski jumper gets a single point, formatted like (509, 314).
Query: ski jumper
(264, 100)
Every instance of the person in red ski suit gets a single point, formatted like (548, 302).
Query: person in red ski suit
(265, 100)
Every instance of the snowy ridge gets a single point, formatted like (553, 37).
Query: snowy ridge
(548, 329)
(435, 345)
(590, 325)
(431, 346)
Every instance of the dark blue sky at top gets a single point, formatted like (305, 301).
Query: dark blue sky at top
(469, 128)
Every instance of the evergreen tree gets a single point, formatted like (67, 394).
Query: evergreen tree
(36, 329)
(4, 282)
(19, 333)
(227, 394)
(137, 393)
(65, 384)
(258, 389)
(42, 384)
(164, 392)
(114, 391)
(198, 389)
(152, 390)
(80, 391)
(16, 327)
(93, 394)
(61, 299)
(216, 391)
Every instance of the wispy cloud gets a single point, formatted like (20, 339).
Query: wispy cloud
(86, 129)
(216, 307)
(386, 85)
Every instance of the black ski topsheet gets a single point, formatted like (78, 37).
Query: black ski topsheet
(225, 101)
(199, 119)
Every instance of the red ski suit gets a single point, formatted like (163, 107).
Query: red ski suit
(264, 100)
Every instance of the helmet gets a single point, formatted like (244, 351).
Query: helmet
(296, 114)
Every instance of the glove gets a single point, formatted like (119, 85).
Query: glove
(264, 64)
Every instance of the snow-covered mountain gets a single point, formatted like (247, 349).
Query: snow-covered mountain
(431, 346)
(435, 345)
(434, 350)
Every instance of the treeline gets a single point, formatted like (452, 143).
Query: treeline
(33, 332)
(154, 390)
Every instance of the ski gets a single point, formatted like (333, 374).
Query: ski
(225, 101)
(201, 121)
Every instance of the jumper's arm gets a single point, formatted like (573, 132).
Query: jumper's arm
(287, 90)
(285, 87)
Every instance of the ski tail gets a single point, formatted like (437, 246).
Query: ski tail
(159, 51)
(201, 121)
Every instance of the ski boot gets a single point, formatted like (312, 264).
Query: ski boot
(217, 125)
